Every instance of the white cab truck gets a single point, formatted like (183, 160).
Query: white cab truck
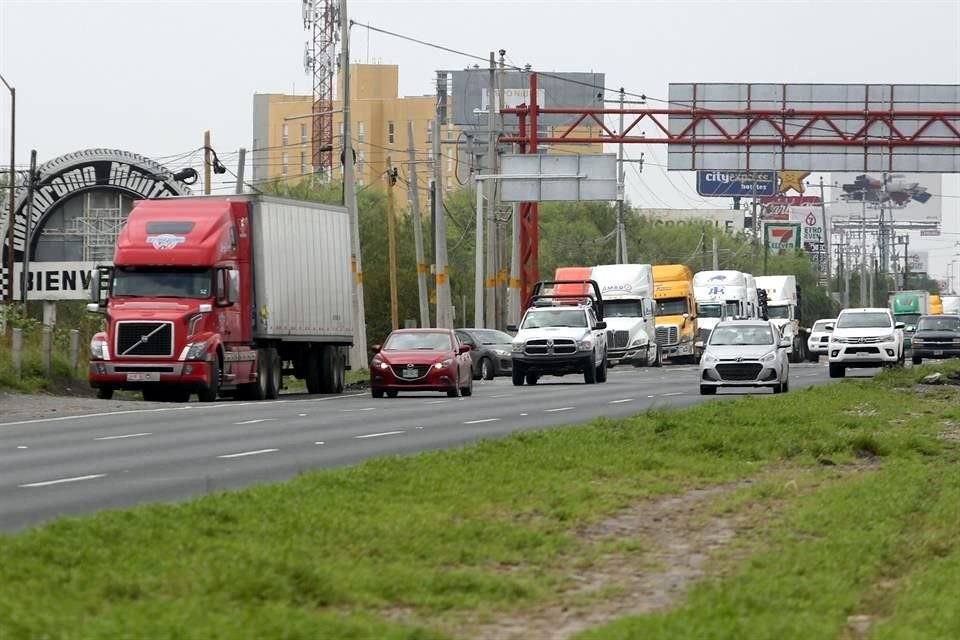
(783, 309)
(630, 313)
(951, 305)
(720, 295)
(753, 299)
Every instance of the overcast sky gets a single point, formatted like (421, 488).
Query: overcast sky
(150, 76)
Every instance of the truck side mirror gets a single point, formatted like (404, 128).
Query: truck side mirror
(100, 287)
(601, 325)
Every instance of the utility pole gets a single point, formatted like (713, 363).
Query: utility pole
(503, 259)
(440, 233)
(206, 162)
(826, 233)
(414, 187)
(490, 308)
(863, 251)
(241, 165)
(13, 185)
(28, 231)
(358, 355)
(716, 257)
(478, 256)
(513, 285)
(621, 234)
(392, 246)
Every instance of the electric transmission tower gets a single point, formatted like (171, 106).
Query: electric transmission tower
(321, 18)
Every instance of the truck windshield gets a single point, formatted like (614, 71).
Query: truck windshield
(162, 283)
(778, 313)
(709, 311)
(537, 318)
(909, 319)
(672, 306)
(622, 308)
(863, 321)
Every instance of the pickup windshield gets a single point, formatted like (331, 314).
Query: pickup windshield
(537, 318)
(671, 307)
(866, 320)
(708, 311)
(162, 283)
(623, 309)
(939, 323)
(778, 313)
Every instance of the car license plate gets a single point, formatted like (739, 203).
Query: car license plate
(409, 373)
(146, 376)
(938, 352)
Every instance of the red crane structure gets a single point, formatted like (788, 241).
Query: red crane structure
(887, 129)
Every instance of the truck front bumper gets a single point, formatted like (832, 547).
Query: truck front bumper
(137, 375)
(556, 365)
(627, 356)
(680, 349)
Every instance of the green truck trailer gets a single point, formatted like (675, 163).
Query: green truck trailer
(907, 307)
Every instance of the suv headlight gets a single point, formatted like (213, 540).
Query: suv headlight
(770, 357)
(585, 345)
(197, 350)
(98, 349)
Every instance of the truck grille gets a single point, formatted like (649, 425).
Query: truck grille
(618, 339)
(136, 339)
(739, 370)
(543, 347)
(668, 335)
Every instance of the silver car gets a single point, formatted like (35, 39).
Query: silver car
(745, 353)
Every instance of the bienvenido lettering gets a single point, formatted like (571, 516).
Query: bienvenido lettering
(59, 279)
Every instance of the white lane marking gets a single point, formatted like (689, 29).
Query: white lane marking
(364, 409)
(649, 396)
(620, 401)
(256, 421)
(127, 435)
(524, 414)
(248, 453)
(675, 393)
(21, 446)
(436, 402)
(301, 415)
(558, 409)
(47, 483)
(320, 442)
(481, 421)
(377, 435)
(502, 395)
(214, 405)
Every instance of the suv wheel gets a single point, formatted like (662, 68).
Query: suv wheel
(837, 370)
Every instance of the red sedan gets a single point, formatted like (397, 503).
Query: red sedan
(421, 360)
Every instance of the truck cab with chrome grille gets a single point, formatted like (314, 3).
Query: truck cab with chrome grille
(561, 333)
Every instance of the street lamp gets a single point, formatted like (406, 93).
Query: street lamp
(13, 128)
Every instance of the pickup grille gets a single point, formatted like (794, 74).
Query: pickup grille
(739, 370)
(668, 335)
(618, 339)
(543, 347)
(135, 339)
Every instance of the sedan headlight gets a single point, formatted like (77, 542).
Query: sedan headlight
(443, 364)
(770, 357)
(378, 363)
(98, 349)
(501, 352)
(709, 358)
(197, 350)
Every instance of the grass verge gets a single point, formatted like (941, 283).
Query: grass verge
(844, 501)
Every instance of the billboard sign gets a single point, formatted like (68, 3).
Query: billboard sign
(541, 178)
(918, 261)
(782, 236)
(730, 220)
(736, 183)
(908, 197)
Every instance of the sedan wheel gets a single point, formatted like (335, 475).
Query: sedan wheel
(486, 369)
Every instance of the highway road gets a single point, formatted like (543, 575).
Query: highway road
(79, 464)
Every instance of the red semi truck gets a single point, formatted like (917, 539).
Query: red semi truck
(224, 295)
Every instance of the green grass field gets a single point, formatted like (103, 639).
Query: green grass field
(823, 513)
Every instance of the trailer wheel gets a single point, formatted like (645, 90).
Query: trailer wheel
(274, 373)
(328, 370)
(340, 368)
(312, 375)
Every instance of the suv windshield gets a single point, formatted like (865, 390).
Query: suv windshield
(864, 320)
(939, 323)
(707, 310)
(537, 318)
(623, 308)
(746, 335)
(162, 283)
(670, 307)
(418, 341)
(821, 325)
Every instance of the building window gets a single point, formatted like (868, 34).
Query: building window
(285, 135)
(449, 184)
(284, 162)
(429, 131)
(449, 163)
(303, 163)
(390, 132)
(303, 133)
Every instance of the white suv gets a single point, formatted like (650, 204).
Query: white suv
(865, 338)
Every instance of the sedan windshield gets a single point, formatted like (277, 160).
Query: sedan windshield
(747, 335)
(162, 283)
(490, 336)
(418, 341)
(939, 323)
(707, 310)
(866, 320)
(537, 318)
(672, 307)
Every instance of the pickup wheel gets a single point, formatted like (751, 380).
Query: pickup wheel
(602, 370)
(916, 360)
(532, 378)
(837, 370)
(518, 376)
(589, 371)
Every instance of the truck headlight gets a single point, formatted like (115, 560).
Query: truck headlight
(585, 345)
(516, 347)
(639, 341)
(98, 349)
(197, 350)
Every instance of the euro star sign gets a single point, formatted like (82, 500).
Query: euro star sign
(792, 180)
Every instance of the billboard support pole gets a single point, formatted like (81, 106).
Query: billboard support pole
(529, 212)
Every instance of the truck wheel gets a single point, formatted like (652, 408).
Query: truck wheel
(659, 361)
(518, 376)
(328, 370)
(105, 393)
(916, 360)
(602, 370)
(312, 373)
(589, 371)
(213, 387)
(837, 370)
(339, 370)
(274, 373)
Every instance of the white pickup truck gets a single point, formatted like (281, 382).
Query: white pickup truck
(865, 338)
